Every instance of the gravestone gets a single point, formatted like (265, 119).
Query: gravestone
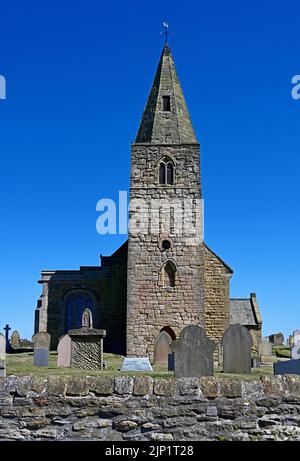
(295, 351)
(277, 339)
(291, 340)
(171, 362)
(264, 348)
(162, 347)
(87, 320)
(289, 367)
(193, 353)
(41, 341)
(64, 351)
(15, 340)
(6, 329)
(255, 362)
(87, 348)
(296, 335)
(2, 356)
(136, 364)
(237, 343)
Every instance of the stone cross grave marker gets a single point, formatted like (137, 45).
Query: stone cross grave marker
(193, 353)
(237, 343)
(64, 351)
(41, 343)
(6, 329)
(2, 356)
(162, 347)
(15, 340)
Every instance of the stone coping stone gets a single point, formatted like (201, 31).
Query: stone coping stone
(87, 332)
(135, 386)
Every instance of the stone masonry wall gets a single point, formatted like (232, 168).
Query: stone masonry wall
(216, 296)
(150, 305)
(140, 408)
(106, 285)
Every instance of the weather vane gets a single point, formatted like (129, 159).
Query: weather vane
(166, 31)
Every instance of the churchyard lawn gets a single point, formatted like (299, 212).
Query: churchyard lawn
(22, 365)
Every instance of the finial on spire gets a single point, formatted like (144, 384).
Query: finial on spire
(166, 31)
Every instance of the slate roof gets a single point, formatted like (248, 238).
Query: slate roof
(241, 311)
(173, 126)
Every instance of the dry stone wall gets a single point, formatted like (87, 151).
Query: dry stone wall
(143, 408)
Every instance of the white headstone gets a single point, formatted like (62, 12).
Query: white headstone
(2, 346)
(296, 335)
(2, 356)
(136, 364)
(295, 351)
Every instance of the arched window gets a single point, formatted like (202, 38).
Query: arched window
(76, 304)
(166, 171)
(169, 271)
(162, 173)
(169, 173)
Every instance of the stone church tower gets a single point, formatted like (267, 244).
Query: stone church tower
(164, 277)
(165, 256)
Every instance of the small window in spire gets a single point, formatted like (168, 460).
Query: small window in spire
(166, 104)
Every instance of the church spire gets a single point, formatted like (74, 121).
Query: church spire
(166, 118)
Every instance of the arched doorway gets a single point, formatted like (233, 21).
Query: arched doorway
(169, 331)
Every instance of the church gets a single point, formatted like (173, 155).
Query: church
(163, 278)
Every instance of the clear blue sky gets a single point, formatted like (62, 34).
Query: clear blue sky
(78, 74)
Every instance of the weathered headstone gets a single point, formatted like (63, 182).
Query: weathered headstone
(193, 353)
(162, 347)
(289, 367)
(264, 348)
(2, 356)
(277, 339)
(15, 340)
(296, 335)
(64, 351)
(295, 351)
(136, 364)
(237, 343)
(87, 320)
(255, 362)
(41, 341)
(87, 348)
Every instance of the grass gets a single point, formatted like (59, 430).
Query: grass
(22, 365)
(282, 351)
